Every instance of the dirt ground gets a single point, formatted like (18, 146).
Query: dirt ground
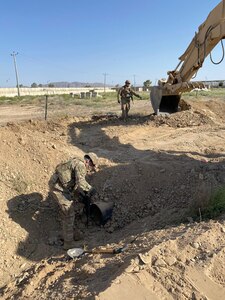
(157, 170)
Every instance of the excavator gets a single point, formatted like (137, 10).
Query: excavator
(165, 97)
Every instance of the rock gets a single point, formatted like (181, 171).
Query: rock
(192, 171)
(136, 269)
(190, 219)
(129, 269)
(197, 296)
(200, 176)
(21, 141)
(160, 263)
(110, 229)
(145, 259)
(195, 245)
(53, 240)
(172, 290)
(23, 266)
(21, 247)
(149, 206)
(170, 260)
(136, 261)
(117, 281)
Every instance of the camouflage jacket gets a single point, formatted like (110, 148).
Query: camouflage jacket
(126, 93)
(70, 176)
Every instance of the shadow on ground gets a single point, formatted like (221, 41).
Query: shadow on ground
(39, 218)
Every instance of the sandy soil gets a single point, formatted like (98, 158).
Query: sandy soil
(156, 170)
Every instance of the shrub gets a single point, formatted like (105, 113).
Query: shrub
(207, 203)
(216, 204)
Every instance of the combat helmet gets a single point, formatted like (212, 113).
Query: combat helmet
(127, 82)
(93, 157)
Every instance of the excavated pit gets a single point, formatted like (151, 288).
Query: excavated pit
(153, 170)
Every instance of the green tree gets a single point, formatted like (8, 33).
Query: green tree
(34, 85)
(147, 83)
(50, 85)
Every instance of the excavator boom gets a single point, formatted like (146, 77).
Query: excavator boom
(166, 96)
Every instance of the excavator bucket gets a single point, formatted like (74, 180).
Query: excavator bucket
(164, 104)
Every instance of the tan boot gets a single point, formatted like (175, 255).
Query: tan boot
(69, 245)
(77, 235)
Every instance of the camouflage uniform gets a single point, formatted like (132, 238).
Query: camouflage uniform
(125, 94)
(67, 184)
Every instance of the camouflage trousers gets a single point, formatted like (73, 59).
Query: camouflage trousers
(67, 214)
(125, 107)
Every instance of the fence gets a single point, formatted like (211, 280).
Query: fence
(12, 92)
(48, 104)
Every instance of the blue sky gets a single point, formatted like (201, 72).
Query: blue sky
(75, 40)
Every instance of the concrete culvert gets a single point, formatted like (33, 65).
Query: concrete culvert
(101, 212)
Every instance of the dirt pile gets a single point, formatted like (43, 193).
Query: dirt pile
(187, 266)
(153, 170)
(185, 262)
(183, 119)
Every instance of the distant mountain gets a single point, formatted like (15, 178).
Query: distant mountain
(62, 84)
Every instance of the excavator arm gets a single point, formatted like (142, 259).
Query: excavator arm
(166, 96)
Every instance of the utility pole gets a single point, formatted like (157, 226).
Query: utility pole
(134, 80)
(105, 74)
(17, 79)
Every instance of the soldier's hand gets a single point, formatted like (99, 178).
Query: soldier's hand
(91, 192)
(82, 194)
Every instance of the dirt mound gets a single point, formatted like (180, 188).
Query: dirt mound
(193, 113)
(154, 174)
(182, 263)
(187, 118)
(187, 266)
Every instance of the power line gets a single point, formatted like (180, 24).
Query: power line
(17, 78)
(105, 74)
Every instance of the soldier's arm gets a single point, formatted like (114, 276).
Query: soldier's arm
(54, 183)
(81, 184)
(118, 95)
(135, 94)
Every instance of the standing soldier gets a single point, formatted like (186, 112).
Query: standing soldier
(125, 94)
(69, 186)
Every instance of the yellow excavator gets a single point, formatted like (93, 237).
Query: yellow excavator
(166, 96)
